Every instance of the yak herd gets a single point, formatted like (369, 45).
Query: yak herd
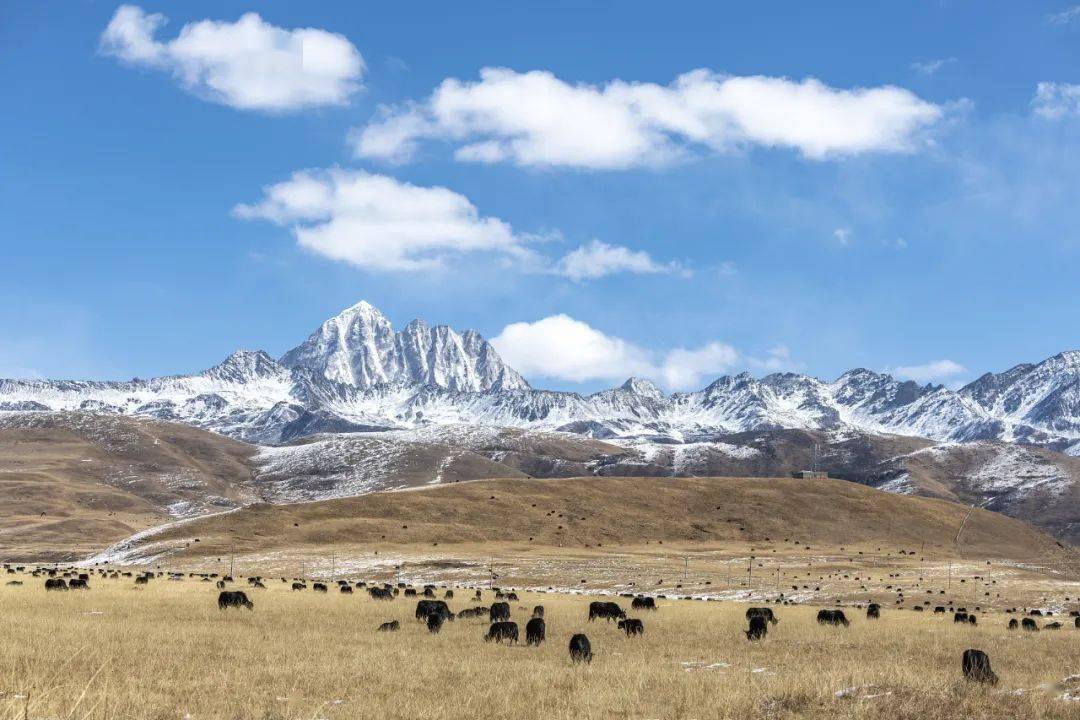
(434, 613)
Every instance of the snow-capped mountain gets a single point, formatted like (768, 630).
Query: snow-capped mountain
(356, 373)
(360, 348)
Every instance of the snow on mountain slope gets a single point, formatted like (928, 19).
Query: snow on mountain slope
(1033, 399)
(357, 374)
(1030, 483)
(359, 347)
(337, 466)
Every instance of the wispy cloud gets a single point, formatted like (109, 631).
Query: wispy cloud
(1054, 101)
(1064, 17)
(930, 67)
(936, 370)
(598, 259)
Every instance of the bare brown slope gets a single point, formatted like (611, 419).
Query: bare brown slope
(70, 482)
(579, 512)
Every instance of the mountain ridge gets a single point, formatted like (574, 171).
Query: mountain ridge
(355, 373)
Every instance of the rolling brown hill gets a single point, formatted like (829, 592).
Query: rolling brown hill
(71, 482)
(610, 511)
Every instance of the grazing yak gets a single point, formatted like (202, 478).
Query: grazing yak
(142, 580)
(580, 649)
(538, 611)
(499, 612)
(78, 583)
(606, 610)
(1013, 624)
(391, 626)
(380, 593)
(299, 586)
(976, 667)
(1029, 624)
(632, 626)
(500, 631)
(759, 628)
(427, 608)
(832, 617)
(434, 622)
(873, 611)
(1052, 626)
(234, 598)
(762, 612)
(319, 587)
(643, 603)
(535, 630)
(56, 584)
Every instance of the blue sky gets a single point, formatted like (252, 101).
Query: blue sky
(843, 185)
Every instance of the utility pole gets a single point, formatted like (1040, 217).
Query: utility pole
(686, 567)
(333, 567)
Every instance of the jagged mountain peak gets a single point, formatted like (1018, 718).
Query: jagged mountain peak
(356, 371)
(359, 347)
(245, 365)
(642, 387)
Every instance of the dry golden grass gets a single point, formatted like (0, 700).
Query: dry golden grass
(582, 513)
(71, 483)
(166, 651)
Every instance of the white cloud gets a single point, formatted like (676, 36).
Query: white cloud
(1066, 16)
(1056, 100)
(930, 67)
(682, 369)
(842, 235)
(563, 348)
(377, 222)
(537, 119)
(248, 64)
(598, 259)
(935, 370)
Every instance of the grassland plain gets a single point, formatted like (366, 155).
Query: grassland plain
(167, 651)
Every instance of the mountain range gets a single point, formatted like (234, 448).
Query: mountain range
(355, 373)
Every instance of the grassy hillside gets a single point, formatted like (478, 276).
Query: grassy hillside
(587, 512)
(70, 482)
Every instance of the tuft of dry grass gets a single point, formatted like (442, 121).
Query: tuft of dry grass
(166, 651)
